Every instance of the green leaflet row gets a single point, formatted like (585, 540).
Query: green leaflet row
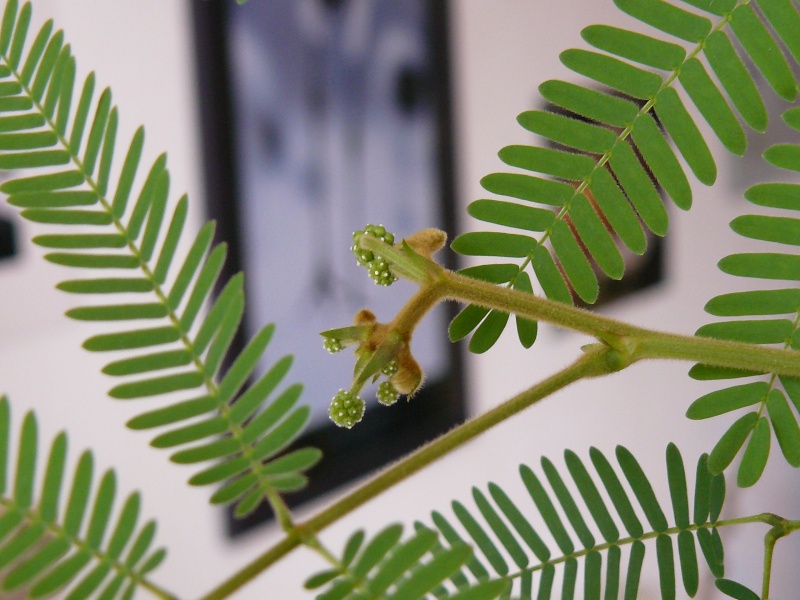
(168, 337)
(615, 147)
(548, 541)
(71, 536)
(767, 406)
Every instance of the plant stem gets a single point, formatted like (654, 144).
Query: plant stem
(591, 364)
(249, 572)
(640, 343)
(769, 546)
(623, 344)
(780, 529)
(417, 307)
(767, 518)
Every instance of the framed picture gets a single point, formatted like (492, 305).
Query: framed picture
(318, 117)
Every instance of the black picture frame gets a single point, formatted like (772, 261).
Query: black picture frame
(385, 434)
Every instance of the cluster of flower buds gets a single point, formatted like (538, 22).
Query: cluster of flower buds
(382, 355)
(379, 270)
(380, 358)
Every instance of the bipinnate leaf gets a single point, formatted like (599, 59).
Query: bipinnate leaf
(764, 51)
(527, 329)
(488, 331)
(727, 400)
(609, 158)
(115, 218)
(500, 529)
(388, 567)
(773, 311)
(635, 46)
(71, 536)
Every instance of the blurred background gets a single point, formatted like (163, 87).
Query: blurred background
(499, 52)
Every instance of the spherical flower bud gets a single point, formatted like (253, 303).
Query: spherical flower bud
(363, 257)
(390, 368)
(379, 231)
(387, 395)
(380, 272)
(378, 268)
(346, 409)
(332, 345)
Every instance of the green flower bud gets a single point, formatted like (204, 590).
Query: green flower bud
(332, 345)
(387, 395)
(377, 267)
(390, 368)
(346, 409)
(380, 272)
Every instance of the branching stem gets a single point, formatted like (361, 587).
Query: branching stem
(591, 364)
(780, 529)
(638, 342)
(621, 344)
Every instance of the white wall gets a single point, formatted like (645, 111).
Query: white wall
(502, 51)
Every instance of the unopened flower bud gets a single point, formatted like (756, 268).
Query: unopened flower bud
(346, 409)
(332, 345)
(390, 368)
(379, 270)
(387, 394)
(364, 317)
(427, 242)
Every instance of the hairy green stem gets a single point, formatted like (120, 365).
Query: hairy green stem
(769, 547)
(591, 364)
(638, 342)
(249, 572)
(416, 308)
(780, 529)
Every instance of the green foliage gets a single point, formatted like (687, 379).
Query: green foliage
(735, 590)
(599, 187)
(763, 316)
(611, 152)
(500, 530)
(444, 566)
(129, 239)
(67, 537)
(387, 567)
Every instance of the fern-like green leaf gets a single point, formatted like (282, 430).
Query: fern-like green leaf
(387, 567)
(110, 225)
(775, 323)
(600, 124)
(498, 530)
(74, 542)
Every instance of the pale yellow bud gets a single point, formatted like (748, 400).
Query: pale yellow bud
(426, 242)
(364, 317)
